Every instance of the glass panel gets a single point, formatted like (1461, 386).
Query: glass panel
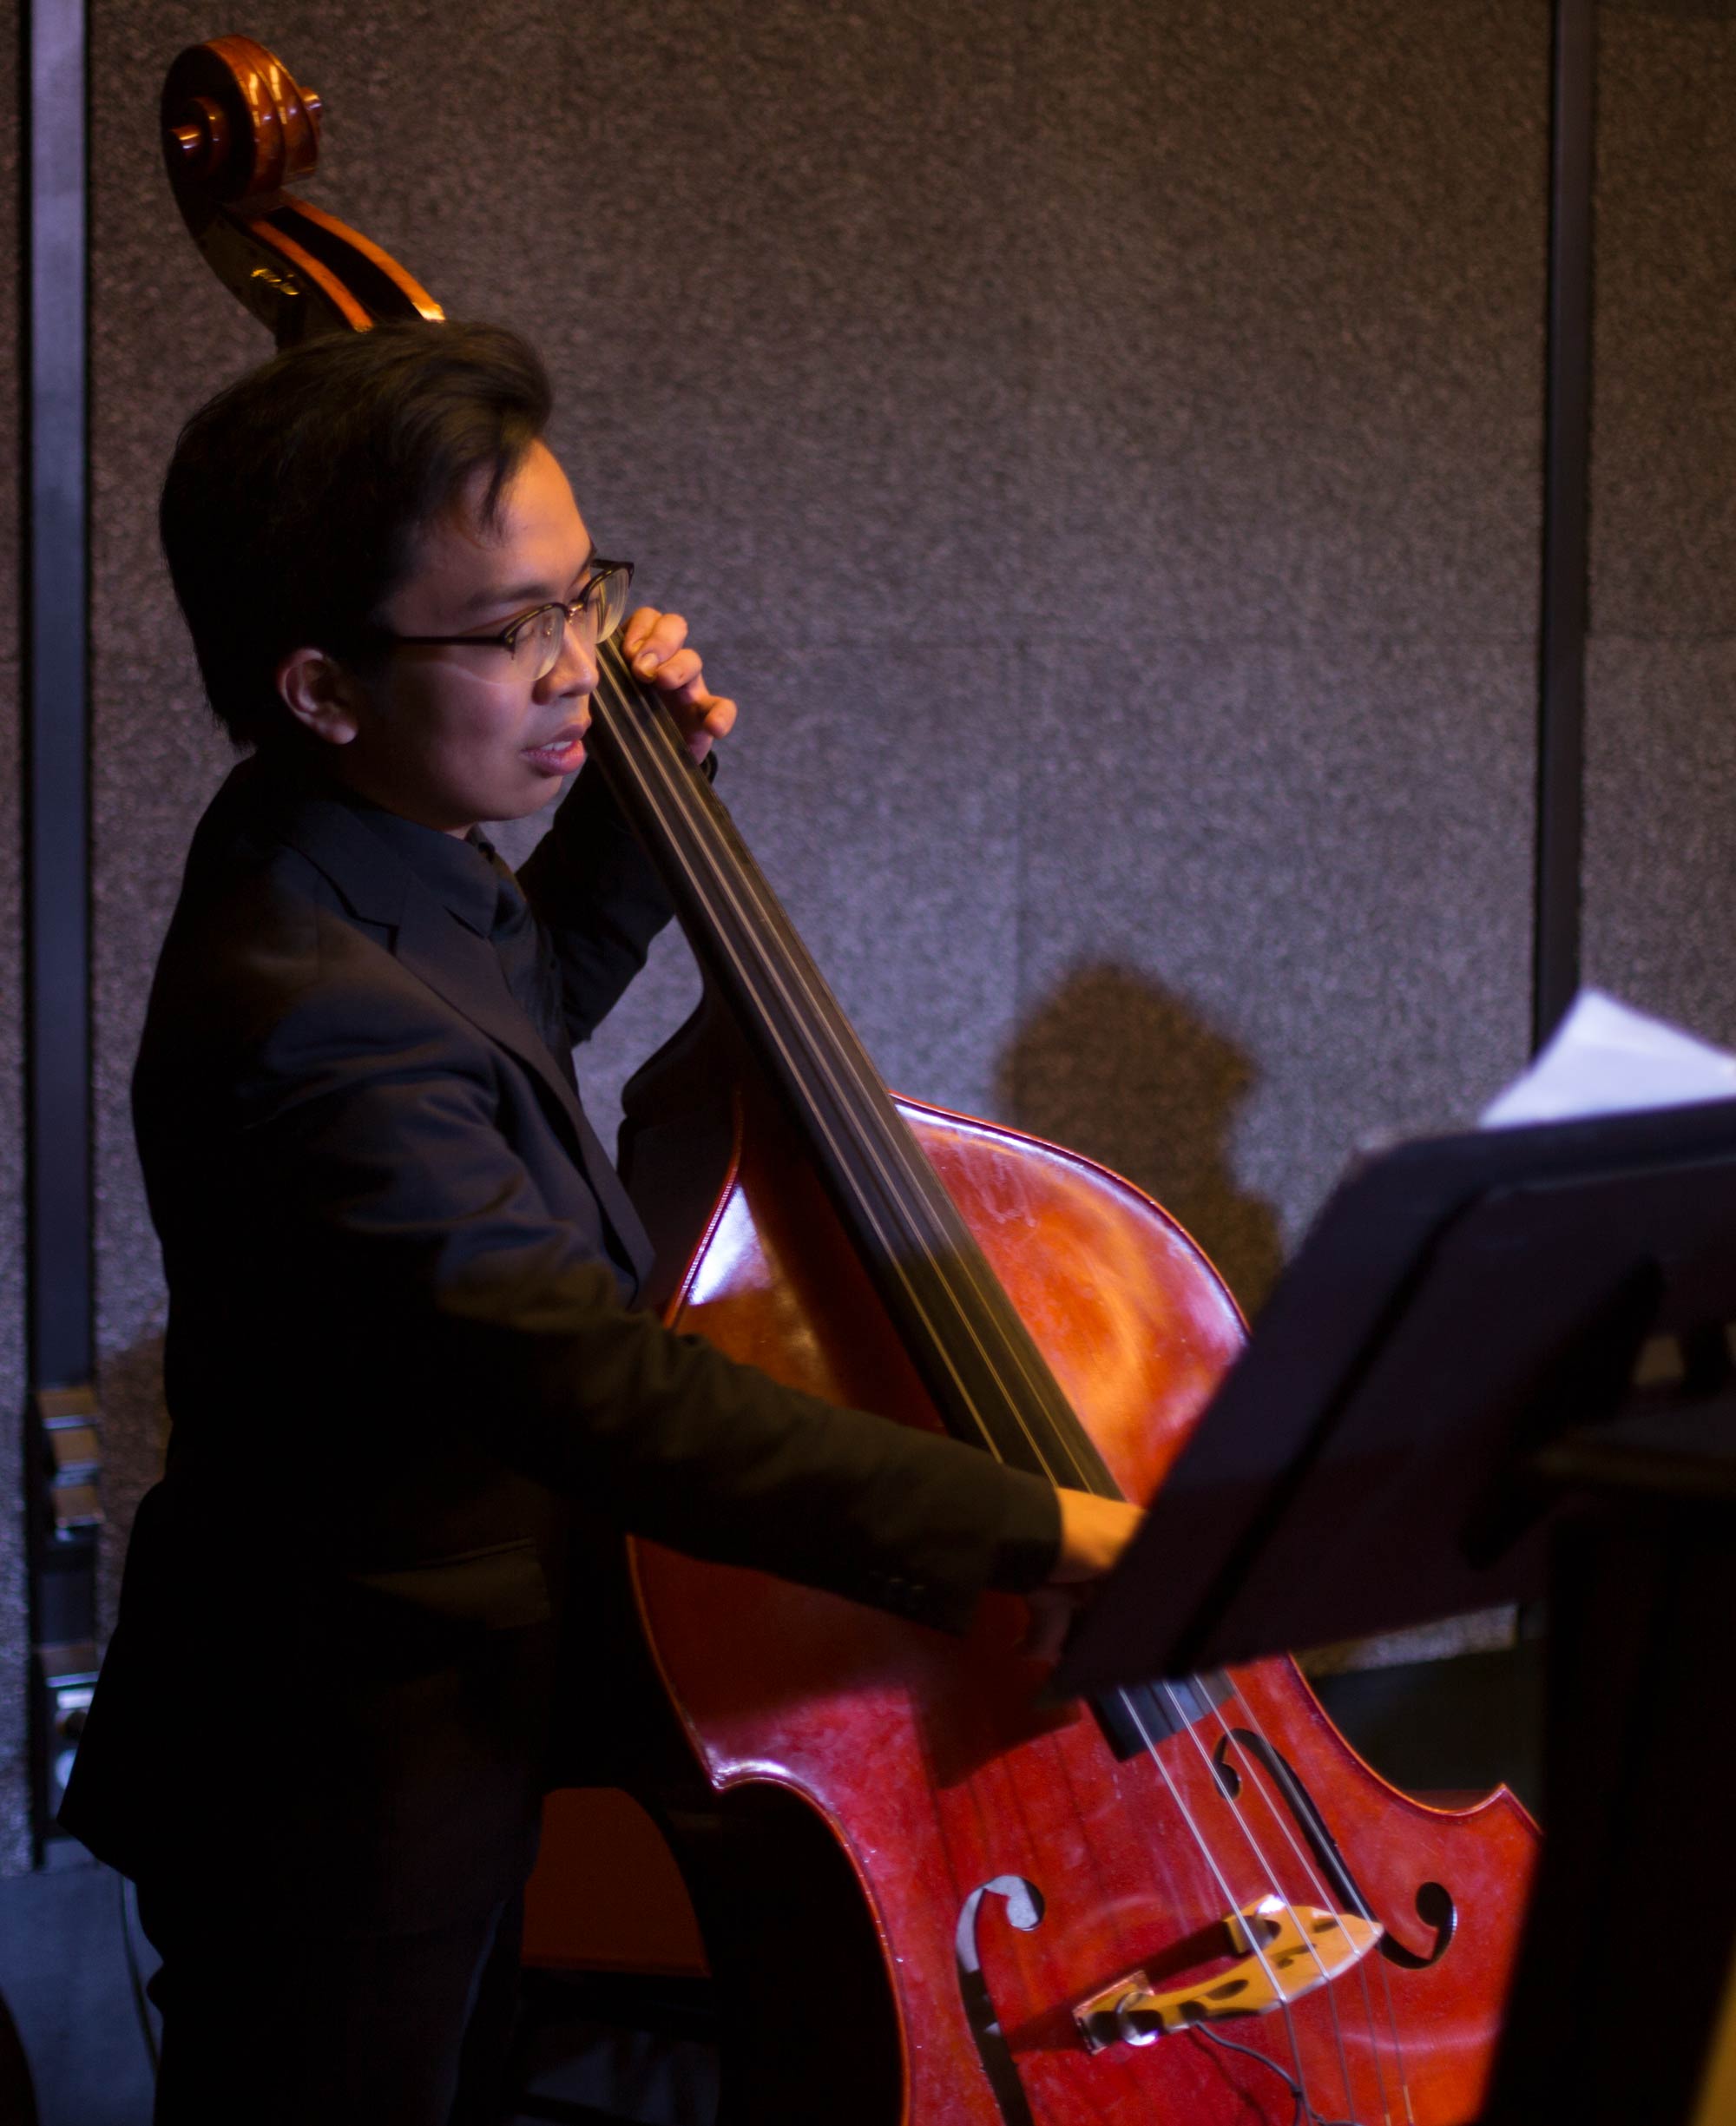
(537, 644)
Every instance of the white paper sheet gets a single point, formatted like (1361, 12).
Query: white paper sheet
(1605, 1058)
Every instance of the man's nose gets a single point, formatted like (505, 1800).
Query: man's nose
(575, 671)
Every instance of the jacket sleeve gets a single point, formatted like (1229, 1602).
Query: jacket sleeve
(404, 1227)
(598, 899)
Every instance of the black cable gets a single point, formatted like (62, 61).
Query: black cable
(1304, 2113)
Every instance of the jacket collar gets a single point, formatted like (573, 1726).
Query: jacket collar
(458, 872)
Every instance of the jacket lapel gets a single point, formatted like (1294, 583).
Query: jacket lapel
(465, 970)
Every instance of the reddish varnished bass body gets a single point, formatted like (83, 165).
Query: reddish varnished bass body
(937, 1776)
(1199, 1907)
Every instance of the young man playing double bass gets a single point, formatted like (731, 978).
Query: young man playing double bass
(414, 1402)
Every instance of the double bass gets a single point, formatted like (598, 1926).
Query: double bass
(927, 1896)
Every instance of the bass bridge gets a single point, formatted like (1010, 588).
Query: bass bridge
(1285, 1951)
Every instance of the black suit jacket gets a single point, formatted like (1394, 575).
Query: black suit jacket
(404, 1376)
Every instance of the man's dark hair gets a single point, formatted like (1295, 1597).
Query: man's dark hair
(295, 498)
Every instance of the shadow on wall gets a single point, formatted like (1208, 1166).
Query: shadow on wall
(1116, 1067)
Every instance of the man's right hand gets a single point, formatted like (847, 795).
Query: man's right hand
(1093, 1534)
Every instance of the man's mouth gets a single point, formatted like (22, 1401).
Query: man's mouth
(561, 754)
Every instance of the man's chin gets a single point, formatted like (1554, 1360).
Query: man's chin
(532, 796)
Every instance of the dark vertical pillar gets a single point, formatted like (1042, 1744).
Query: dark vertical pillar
(1566, 445)
(60, 1434)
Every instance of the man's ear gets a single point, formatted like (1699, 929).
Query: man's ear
(321, 694)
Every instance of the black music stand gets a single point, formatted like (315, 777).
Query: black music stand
(1500, 1364)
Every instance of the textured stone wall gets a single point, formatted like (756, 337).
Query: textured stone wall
(1101, 447)
(1661, 674)
(1202, 414)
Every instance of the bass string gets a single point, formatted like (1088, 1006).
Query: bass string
(883, 1237)
(696, 849)
(675, 800)
(721, 890)
(1306, 1859)
(813, 1014)
(914, 1196)
(1264, 1866)
(1228, 1896)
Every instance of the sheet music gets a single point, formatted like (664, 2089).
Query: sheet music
(1606, 1058)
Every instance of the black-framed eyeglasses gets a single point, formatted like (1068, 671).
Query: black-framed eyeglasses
(533, 640)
